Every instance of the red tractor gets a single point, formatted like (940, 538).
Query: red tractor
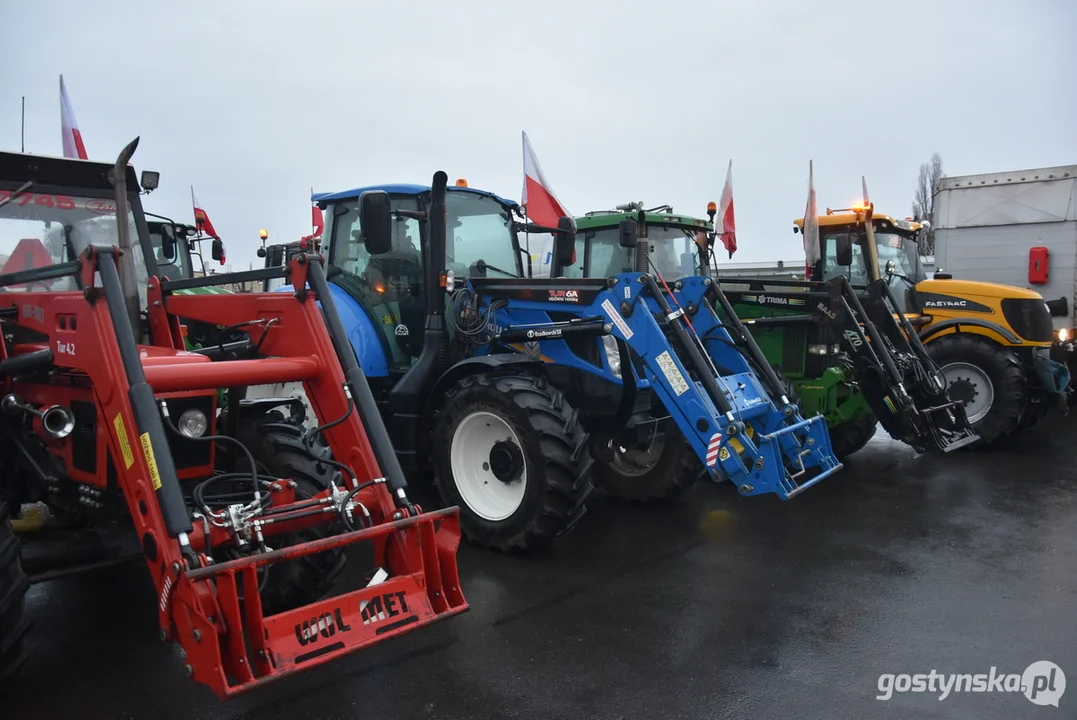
(131, 447)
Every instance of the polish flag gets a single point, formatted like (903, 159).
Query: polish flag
(726, 224)
(202, 221)
(811, 225)
(864, 184)
(317, 222)
(69, 127)
(543, 207)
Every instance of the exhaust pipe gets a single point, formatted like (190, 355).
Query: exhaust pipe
(54, 422)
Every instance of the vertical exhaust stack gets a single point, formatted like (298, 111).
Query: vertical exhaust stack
(125, 263)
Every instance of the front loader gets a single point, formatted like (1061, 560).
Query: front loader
(863, 369)
(991, 342)
(242, 516)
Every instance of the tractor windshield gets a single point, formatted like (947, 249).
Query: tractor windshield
(674, 251)
(480, 229)
(38, 230)
(897, 251)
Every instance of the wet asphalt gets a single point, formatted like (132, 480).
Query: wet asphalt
(711, 606)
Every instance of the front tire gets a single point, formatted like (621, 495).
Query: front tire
(277, 447)
(13, 586)
(852, 435)
(988, 378)
(510, 452)
(663, 469)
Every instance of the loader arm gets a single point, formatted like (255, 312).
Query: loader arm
(900, 382)
(724, 411)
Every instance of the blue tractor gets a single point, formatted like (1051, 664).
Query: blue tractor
(506, 388)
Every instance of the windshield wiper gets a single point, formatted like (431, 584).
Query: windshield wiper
(25, 186)
(482, 266)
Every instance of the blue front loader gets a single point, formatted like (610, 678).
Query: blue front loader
(678, 347)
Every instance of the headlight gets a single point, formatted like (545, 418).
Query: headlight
(835, 349)
(192, 423)
(1063, 335)
(613, 355)
(817, 349)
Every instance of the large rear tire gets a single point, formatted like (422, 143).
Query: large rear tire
(660, 470)
(988, 378)
(510, 452)
(13, 586)
(277, 447)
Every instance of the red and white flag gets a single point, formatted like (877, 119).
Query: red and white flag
(317, 223)
(69, 127)
(202, 222)
(543, 207)
(811, 225)
(726, 224)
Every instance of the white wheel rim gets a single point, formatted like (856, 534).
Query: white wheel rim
(469, 457)
(960, 372)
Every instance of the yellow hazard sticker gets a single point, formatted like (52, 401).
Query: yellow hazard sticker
(387, 319)
(147, 447)
(723, 454)
(125, 444)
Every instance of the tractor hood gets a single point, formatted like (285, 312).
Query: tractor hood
(972, 289)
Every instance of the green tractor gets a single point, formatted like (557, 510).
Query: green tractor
(842, 352)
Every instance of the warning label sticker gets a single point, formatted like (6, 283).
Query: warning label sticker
(125, 443)
(617, 319)
(147, 447)
(669, 369)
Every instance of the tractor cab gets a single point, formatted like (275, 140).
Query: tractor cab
(671, 242)
(891, 250)
(176, 247)
(389, 287)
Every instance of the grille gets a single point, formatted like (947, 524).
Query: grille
(1029, 318)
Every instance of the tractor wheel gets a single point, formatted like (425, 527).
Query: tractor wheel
(988, 378)
(664, 468)
(277, 447)
(852, 435)
(13, 585)
(510, 452)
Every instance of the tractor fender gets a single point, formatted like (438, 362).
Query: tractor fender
(956, 323)
(370, 344)
(474, 365)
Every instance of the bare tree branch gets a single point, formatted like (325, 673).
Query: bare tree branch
(923, 205)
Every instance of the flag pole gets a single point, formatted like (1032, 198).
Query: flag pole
(23, 124)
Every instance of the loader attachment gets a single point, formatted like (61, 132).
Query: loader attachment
(741, 428)
(883, 355)
(237, 648)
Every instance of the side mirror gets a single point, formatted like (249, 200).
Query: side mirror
(168, 241)
(844, 249)
(261, 252)
(627, 233)
(564, 242)
(217, 250)
(376, 220)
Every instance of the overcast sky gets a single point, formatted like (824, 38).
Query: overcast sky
(255, 103)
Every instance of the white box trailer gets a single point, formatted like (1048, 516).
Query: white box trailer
(1013, 228)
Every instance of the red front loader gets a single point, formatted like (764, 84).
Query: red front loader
(128, 446)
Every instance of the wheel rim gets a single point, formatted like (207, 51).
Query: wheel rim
(488, 467)
(636, 461)
(972, 386)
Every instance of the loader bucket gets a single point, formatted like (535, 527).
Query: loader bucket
(239, 648)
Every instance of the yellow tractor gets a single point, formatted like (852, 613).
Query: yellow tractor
(992, 342)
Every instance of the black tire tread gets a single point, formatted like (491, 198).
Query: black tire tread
(1007, 374)
(561, 441)
(678, 468)
(14, 625)
(277, 444)
(852, 435)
